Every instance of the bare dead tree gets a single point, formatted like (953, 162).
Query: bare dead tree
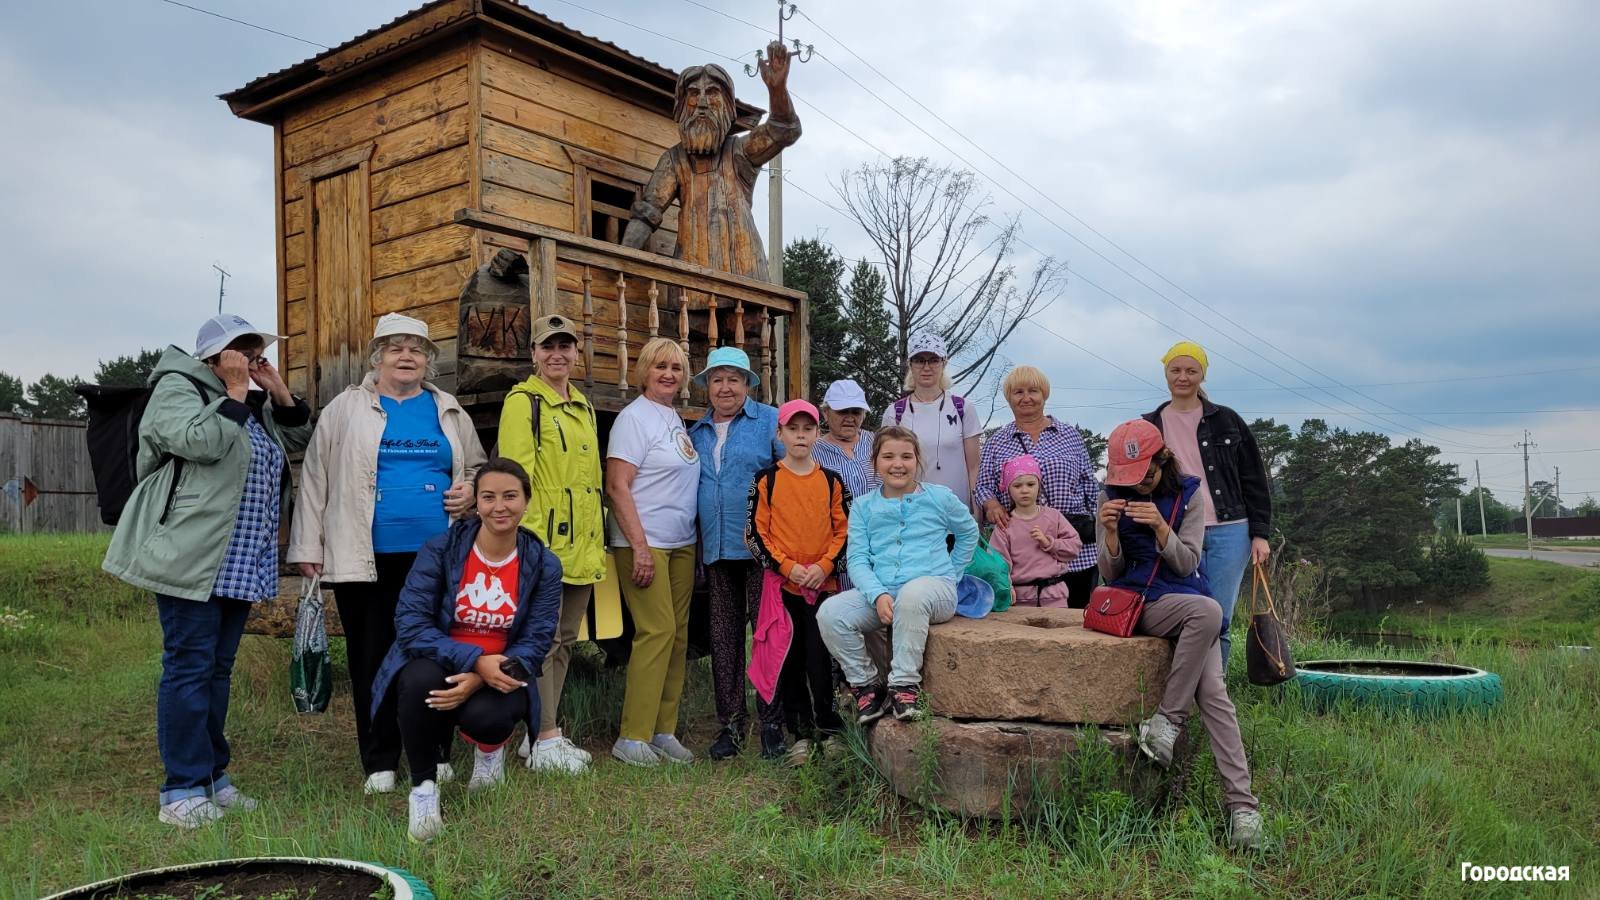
(947, 271)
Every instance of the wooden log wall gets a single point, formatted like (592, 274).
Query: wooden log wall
(54, 455)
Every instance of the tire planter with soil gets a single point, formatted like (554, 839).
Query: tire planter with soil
(1398, 684)
(268, 876)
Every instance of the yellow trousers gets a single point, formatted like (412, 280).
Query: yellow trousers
(660, 641)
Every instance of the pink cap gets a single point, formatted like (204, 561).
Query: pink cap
(797, 405)
(1019, 465)
(1128, 452)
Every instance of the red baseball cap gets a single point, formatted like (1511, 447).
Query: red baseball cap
(1128, 452)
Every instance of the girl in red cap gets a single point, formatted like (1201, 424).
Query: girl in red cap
(1151, 531)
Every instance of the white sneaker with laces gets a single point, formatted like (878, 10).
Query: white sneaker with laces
(488, 768)
(231, 798)
(190, 812)
(636, 753)
(1244, 829)
(426, 820)
(1157, 735)
(799, 754)
(557, 755)
(672, 749)
(379, 783)
(444, 773)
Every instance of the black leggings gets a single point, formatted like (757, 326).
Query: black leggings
(1079, 586)
(486, 718)
(805, 685)
(366, 610)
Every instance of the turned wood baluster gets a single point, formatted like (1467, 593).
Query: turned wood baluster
(711, 328)
(683, 334)
(588, 328)
(738, 323)
(622, 332)
(766, 357)
(655, 314)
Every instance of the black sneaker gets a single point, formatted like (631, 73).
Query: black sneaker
(772, 743)
(903, 703)
(868, 701)
(726, 746)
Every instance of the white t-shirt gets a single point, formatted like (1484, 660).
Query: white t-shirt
(652, 437)
(941, 433)
(722, 441)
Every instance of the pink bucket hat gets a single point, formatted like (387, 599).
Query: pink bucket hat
(1019, 465)
(796, 406)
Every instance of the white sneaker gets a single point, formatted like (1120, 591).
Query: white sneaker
(231, 798)
(558, 755)
(799, 754)
(568, 748)
(1244, 829)
(488, 768)
(672, 749)
(444, 773)
(190, 812)
(1157, 735)
(426, 820)
(636, 753)
(379, 783)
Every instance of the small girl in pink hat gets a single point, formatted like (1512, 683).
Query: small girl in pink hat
(1037, 542)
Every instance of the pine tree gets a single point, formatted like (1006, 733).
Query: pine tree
(810, 265)
(869, 345)
(128, 371)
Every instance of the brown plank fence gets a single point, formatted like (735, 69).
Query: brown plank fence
(51, 453)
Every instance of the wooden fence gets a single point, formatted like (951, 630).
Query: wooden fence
(53, 455)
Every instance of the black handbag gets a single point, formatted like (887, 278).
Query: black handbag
(1268, 660)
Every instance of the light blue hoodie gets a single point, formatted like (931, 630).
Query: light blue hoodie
(895, 540)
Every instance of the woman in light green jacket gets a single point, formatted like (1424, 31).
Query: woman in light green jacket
(560, 449)
(201, 530)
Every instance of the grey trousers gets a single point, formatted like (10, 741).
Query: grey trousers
(1193, 623)
(574, 603)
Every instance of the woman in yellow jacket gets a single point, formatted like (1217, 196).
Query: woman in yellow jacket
(548, 426)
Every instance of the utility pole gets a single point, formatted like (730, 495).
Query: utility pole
(1483, 521)
(1558, 492)
(1527, 491)
(222, 281)
(775, 261)
(1458, 517)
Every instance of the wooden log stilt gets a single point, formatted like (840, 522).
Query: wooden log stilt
(588, 328)
(622, 332)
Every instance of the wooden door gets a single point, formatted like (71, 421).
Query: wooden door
(340, 282)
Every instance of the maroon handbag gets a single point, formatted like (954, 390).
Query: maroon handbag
(1115, 610)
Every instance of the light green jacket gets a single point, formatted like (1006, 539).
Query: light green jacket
(180, 556)
(562, 457)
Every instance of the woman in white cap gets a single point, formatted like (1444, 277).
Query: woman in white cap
(548, 427)
(209, 550)
(846, 448)
(736, 438)
(947, 431)
(391, 462)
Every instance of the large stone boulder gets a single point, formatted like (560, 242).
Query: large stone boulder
(1041, 665)
(1000, 769)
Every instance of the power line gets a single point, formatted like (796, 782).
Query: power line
(246, 24)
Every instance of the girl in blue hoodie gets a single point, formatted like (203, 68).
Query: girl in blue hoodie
(905, 573)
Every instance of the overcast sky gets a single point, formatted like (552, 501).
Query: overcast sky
(1391, 197)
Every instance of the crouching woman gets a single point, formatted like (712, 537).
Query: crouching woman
(1151, 529)
(472, 628)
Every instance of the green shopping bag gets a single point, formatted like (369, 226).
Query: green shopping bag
(310, 672)
(989, 565)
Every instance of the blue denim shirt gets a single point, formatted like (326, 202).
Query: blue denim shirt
(752, 446)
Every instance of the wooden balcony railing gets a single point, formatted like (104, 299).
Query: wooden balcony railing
(625, 297)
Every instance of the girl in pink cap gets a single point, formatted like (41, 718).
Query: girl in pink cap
(1037, 541)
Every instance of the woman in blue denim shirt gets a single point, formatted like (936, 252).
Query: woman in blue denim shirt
(736, 438)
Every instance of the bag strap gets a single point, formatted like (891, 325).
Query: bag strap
(1172, 521)
(1260, 578)
(899, 410)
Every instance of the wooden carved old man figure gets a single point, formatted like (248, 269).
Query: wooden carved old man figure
(712, 172)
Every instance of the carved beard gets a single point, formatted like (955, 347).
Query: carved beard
(702, 133)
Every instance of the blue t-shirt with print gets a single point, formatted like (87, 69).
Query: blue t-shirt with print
(413, 474)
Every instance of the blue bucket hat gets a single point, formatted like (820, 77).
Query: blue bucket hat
(728, 358)
(974, 597)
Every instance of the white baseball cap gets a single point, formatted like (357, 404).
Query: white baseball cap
(396, 324)
(845, 394)
(220, 331)
(926, 342)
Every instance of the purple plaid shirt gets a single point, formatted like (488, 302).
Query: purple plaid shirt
(1069, 486)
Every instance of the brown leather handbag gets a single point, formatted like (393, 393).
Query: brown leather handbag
(1267, 658)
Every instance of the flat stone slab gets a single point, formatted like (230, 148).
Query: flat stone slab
(1041, 665)
(1000, 769)
(275, 617)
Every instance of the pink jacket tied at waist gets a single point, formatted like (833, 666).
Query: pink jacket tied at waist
(773, 634)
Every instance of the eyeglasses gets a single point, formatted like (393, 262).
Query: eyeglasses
(925, 360)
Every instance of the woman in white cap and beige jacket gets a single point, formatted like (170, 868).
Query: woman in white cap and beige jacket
(390, 463)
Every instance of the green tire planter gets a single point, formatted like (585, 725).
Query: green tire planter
(402, 885)
(1398, 684)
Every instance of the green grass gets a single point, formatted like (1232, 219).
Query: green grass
(1358, 803)
(1527, 602)
(1520, 542)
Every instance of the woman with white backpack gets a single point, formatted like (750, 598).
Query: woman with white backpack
(946, 430)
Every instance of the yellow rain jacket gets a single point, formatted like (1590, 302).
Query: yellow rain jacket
(561, 452)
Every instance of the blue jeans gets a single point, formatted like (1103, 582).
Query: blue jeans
(845, 617)
(1225, 557)
(199, 641)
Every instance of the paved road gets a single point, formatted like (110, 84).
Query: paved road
(1564, 557)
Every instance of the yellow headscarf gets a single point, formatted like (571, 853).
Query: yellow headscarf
(1187, 348)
